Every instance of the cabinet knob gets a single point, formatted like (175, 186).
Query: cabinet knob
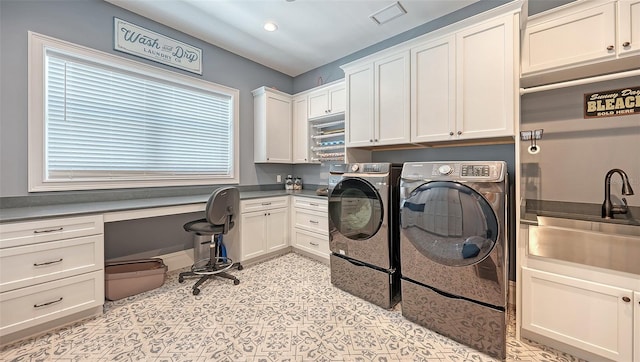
(370, 140)
(375, 140)
(610, 47)
(626, 299)
(459, 133)
(451, 133)
(626, 44)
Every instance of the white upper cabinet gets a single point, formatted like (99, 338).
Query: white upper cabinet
(463, 86)
(579, 34)
(359, 115)
(433, 90)
(300, 130)
(327, 102)
(392, 87)
(629, 29)
(272, 126)
(378, 99)
(486, 79)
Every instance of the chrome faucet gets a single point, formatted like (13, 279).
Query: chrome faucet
(608, 209)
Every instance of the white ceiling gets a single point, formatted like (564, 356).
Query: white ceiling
(311, 32)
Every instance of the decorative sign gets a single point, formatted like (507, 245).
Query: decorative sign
(132, 39)
(619, 102)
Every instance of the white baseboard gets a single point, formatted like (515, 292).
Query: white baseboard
(178, 259)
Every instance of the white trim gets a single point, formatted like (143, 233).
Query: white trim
(38, 44)
(571, 83)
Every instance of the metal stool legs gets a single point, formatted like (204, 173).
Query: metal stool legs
(216, 266)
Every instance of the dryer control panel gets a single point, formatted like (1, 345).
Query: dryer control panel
(486, 171)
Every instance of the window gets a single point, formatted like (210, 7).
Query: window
(97, 121)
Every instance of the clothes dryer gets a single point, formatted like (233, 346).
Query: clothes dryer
(363, 230)
(453, 247)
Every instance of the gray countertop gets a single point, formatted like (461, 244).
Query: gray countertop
(75, 209)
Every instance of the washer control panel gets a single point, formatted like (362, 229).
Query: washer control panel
(475, 170)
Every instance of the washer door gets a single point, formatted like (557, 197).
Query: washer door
(449, 223)
(355, 209)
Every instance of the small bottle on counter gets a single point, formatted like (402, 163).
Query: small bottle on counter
(297, 184)
(288, 183)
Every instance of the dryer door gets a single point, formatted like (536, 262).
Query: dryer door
(357, 222)
(449, 223)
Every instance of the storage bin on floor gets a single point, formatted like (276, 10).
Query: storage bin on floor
(127, 278)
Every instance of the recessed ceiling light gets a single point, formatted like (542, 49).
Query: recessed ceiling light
(270, 26)
(388, 13)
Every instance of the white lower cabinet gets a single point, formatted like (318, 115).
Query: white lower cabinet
(264, 226)
(50, 270)
(590, 316)
(309, 226)
(636, 323)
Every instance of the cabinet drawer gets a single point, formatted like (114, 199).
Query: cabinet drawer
(264, 204)
(31, 232)
(311, 242)
(311, 220)
(310, 203)
(27, 307)
(32, 264)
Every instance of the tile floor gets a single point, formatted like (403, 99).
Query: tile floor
(284, 309)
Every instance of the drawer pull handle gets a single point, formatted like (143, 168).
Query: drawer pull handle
(313, 221)
(313, 204)
(314, 244)
(266, 203)
(47, 230)
(48, 262)
(626, 299)
(47, 303)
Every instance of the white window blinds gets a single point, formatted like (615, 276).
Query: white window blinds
(114, 123)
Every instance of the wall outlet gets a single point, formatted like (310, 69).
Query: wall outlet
(278, 178)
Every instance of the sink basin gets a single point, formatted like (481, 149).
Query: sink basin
(604, 227)
(599, 244)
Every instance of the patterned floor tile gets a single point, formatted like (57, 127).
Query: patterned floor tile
(284, 309)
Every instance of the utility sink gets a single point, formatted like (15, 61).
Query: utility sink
(599, 244)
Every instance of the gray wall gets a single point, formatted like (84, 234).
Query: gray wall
(576, 153)
(90, 23)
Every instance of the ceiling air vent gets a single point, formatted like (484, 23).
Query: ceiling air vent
(388, 13)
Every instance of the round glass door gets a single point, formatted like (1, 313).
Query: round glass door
(355, 209)
(449, 223)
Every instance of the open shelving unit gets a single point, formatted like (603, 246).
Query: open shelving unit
(327, 140)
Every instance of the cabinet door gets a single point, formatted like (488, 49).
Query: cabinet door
(253, 234)
(359, 113)
(278, 129)
(629, 29)
(300, 131)
(392, 100)
(486, 79)
(636, 323)
(590, 316)
(318, 104)
(337, 98)
(433, 91)
(277, 232)
(578, 37)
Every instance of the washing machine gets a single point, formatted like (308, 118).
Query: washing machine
(453, 247)
(364, 232)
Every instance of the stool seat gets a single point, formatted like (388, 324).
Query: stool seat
(203, 227)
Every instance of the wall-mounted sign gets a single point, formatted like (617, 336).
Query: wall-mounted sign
(144, 43)
(618, 102)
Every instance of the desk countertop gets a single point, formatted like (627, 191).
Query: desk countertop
(76, 209)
